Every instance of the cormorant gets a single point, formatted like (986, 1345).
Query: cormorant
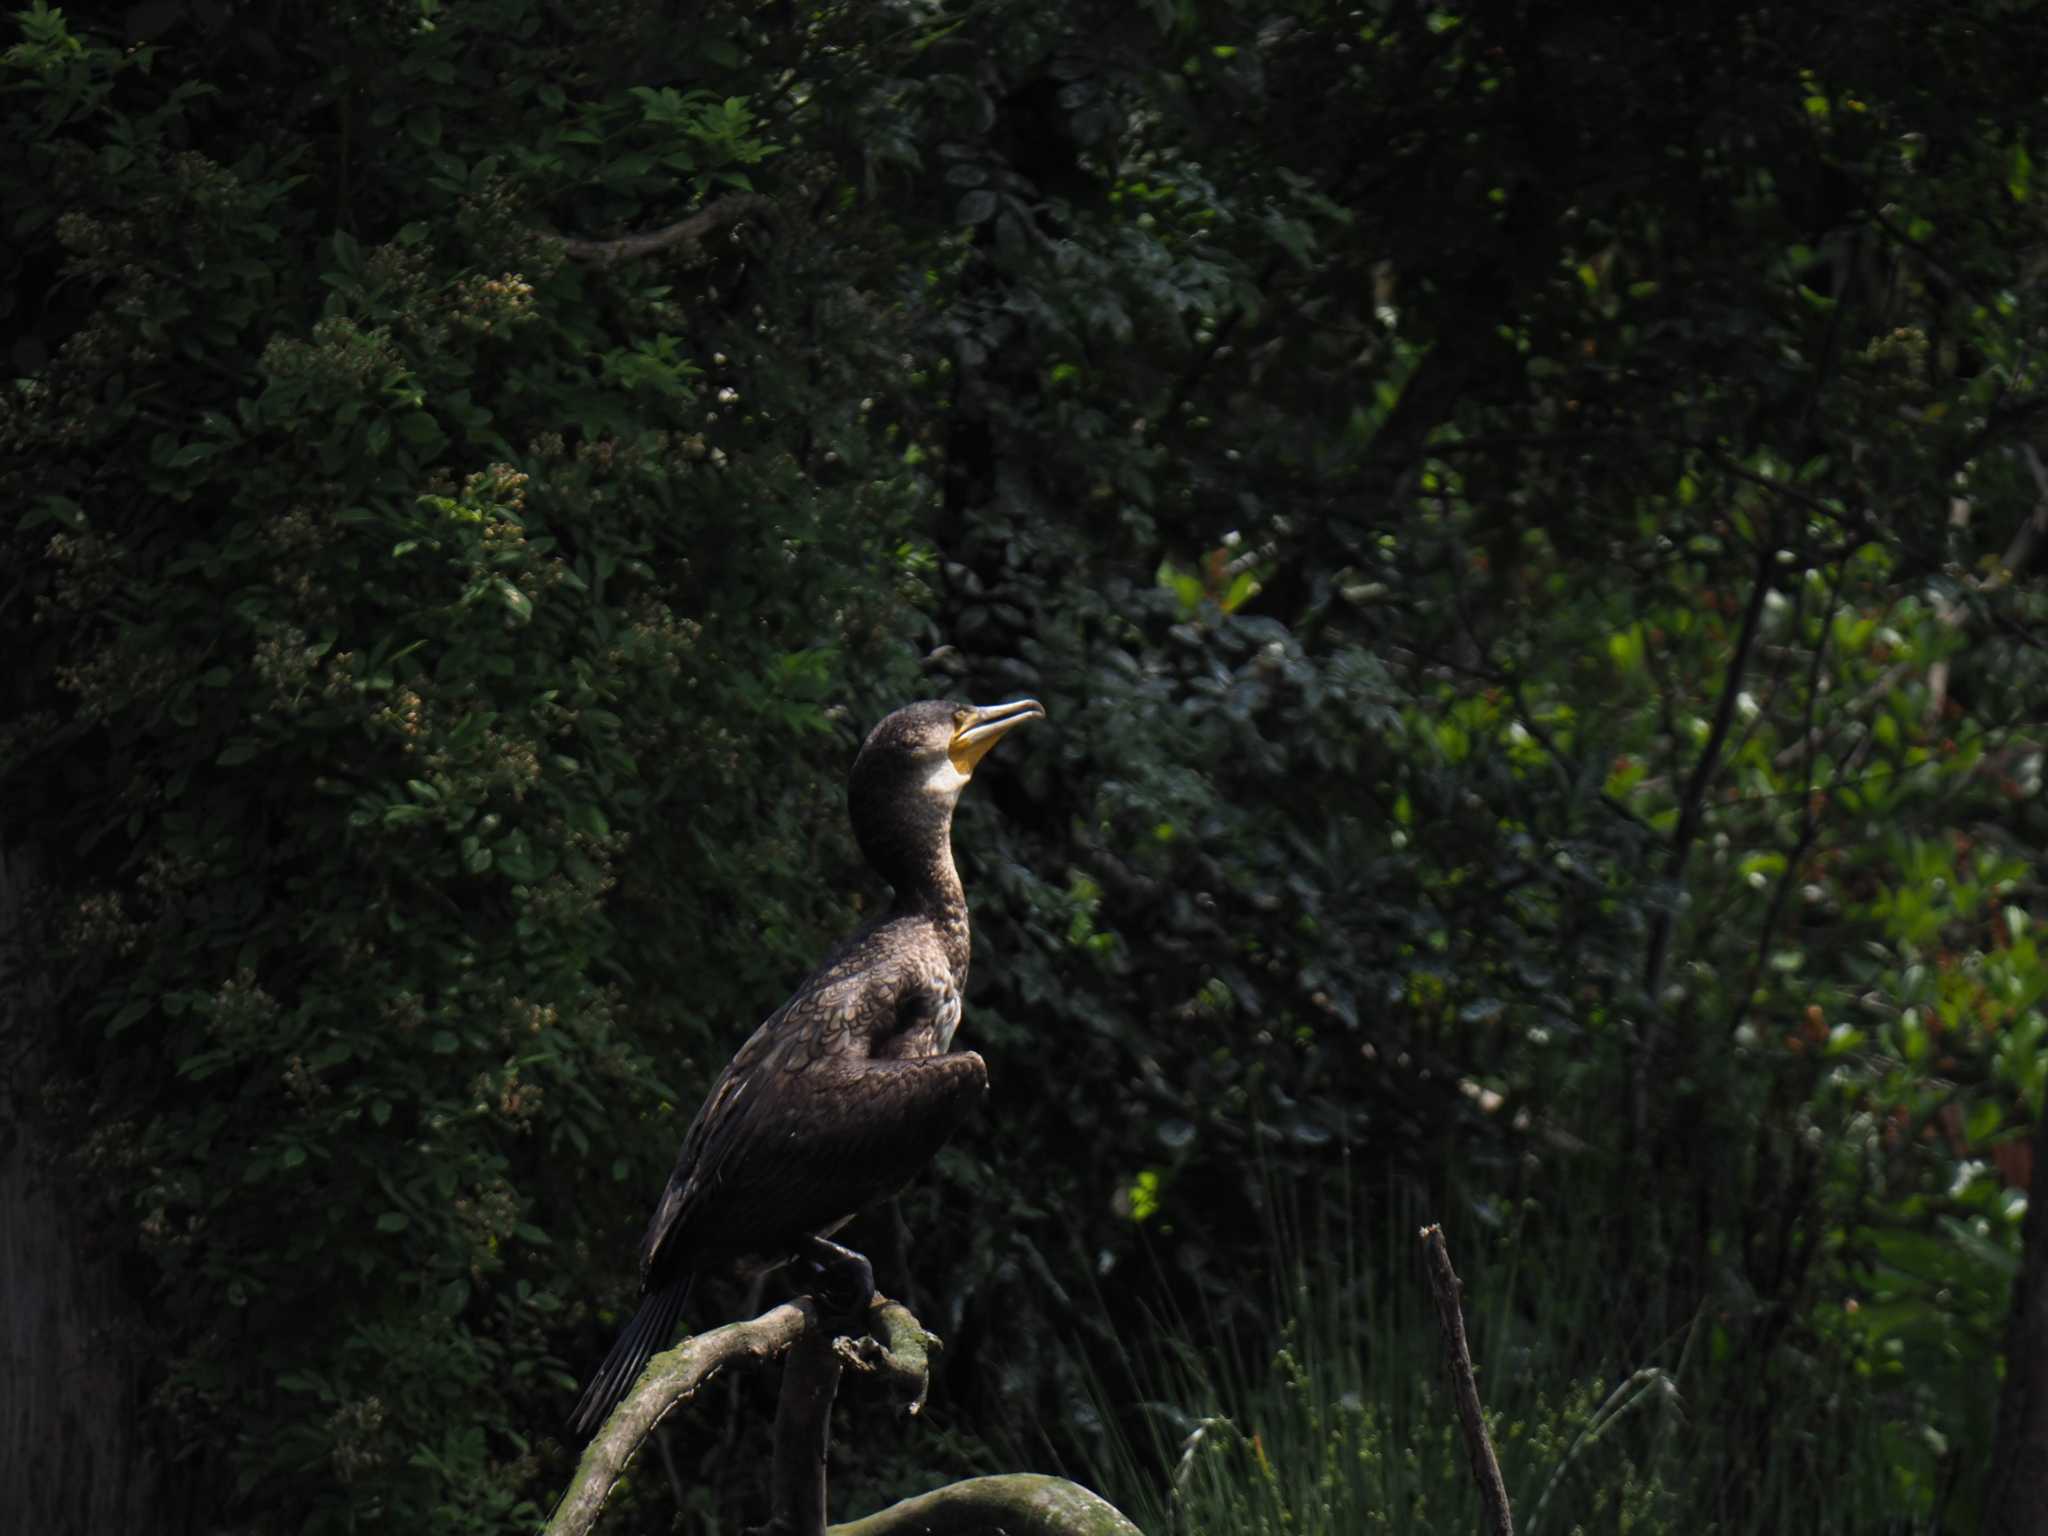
(848, 1088)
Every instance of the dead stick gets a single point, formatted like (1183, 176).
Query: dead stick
(1447, 1288)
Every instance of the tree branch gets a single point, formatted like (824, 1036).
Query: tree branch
(670, 1378)
(803, 1434)
(2033, 527)
(690, 231)
(1809, 822)
(1692, 811)
(1016, 1503)
(895, 1350)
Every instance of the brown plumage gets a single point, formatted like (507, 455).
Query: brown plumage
(847, 1089)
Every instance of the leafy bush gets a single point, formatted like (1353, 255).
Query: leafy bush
(415, 712)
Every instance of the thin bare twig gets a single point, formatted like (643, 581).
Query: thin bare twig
(1691, 813)
(1809, 822)
(1445, 1286)
(1730, 465)
(2033, 527)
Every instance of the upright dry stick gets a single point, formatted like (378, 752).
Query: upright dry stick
(1447, 1288)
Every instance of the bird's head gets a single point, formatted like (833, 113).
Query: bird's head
(911, 770)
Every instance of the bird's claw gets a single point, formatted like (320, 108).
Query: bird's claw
(841, 1281)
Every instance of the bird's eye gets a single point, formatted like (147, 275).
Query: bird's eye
(960, 716)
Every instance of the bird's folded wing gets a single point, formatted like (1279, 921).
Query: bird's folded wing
(787, 1156)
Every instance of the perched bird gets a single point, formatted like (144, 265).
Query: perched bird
(848, 1088)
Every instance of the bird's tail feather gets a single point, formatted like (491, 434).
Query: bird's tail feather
(649, 1332)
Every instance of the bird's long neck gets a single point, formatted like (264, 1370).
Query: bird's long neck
(908, 839)
(928, 887)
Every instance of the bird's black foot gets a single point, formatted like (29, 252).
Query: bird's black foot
(841, 1281)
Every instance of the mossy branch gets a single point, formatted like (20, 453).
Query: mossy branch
(895, 1351)
(671, 1377)
(1017, 1503)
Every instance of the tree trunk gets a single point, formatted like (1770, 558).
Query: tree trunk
(73, 1456)
(2016, 1504)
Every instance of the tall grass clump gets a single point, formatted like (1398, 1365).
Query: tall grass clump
(1332, 1415)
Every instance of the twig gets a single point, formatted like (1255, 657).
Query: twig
(1809, 823)
(2032, 529)
(1548, 743)
(668, 1465)
(1446, 1287)
(1692, 804)
(1812, 741)
(1730, 465)
(690, 231)
(1693, 798)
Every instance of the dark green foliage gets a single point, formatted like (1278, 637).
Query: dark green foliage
(400, 696)
(1483, 502)
(1520, 521)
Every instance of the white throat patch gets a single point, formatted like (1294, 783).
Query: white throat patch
(945, 781)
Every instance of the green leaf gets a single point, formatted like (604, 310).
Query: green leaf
(393, 1221)
(421, 430)
(514, 599)
(59, 509)
(128, 1014)
(1983, 1123)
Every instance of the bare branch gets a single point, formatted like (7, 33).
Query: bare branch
(690, 231)
(2033, 527)
(1730, 465)
(1809, 821)
(1692, 811)
(1445, 1286)
(1813, 739)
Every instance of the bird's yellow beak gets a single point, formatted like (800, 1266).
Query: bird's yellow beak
(986, 726)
